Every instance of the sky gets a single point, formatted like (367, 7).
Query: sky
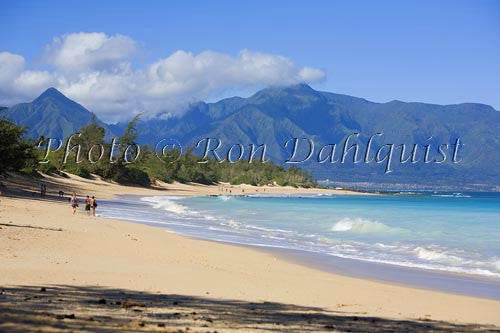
(118, 58)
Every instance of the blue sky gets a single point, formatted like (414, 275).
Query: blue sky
(430, 51)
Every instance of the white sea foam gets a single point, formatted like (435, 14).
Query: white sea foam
(231, 223)
(359, 225)
(225, 197)
(454, 195)
(385, 246)
(290, 195)
(166, 203)
(437, 255)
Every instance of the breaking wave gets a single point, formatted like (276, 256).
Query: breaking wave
(359, 225)
(166, 203)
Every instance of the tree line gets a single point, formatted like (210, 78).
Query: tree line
(18, 153)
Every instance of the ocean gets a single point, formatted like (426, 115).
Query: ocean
(445, 241)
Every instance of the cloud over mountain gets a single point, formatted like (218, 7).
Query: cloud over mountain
(89, 51)
(96, 70)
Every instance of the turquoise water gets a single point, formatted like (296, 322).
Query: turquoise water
(444, 232)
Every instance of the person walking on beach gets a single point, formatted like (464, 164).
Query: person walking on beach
(74, 202)
(87, 205)
(93, 205)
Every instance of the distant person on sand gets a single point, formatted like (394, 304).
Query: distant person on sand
(61, 194)
(87, 205)
(74, 202)
(93, 205)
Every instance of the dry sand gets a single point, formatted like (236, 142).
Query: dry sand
(102, 274)
(108, 190)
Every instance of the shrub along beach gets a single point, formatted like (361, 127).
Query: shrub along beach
(125, 161)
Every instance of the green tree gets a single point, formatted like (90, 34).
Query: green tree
(122, 169)
(16, 152)
(85, 158)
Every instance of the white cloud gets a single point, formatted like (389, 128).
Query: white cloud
(96, 70)
(308, 74)
(88, 51)
(34, 81)
(11, 65)
(18, 84)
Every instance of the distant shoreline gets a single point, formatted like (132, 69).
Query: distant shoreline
(23, 184)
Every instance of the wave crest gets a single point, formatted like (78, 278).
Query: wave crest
(359, 225)
(165, 203)
(224, 197)
(436, 255)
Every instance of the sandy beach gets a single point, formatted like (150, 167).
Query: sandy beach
(61, 271)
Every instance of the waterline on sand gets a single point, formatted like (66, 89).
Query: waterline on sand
(339, 228)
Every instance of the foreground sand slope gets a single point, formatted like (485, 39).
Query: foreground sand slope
(42, 243)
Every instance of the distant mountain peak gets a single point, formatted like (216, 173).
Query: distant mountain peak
(301, 89)
(51, 92)
(64, 103)
(51, 114)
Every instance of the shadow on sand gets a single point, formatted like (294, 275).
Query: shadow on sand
(100, 309)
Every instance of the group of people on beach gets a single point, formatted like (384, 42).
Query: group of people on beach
(223, 189)
(90, 204)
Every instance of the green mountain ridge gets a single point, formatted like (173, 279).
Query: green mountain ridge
(274, 115)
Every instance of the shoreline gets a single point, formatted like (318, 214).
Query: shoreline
(404, 276)
(411, 277)
(44, 245)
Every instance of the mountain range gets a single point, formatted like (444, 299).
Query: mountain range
(274, 115)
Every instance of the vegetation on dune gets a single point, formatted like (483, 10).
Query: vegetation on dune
(88, 153)
(16, 152)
